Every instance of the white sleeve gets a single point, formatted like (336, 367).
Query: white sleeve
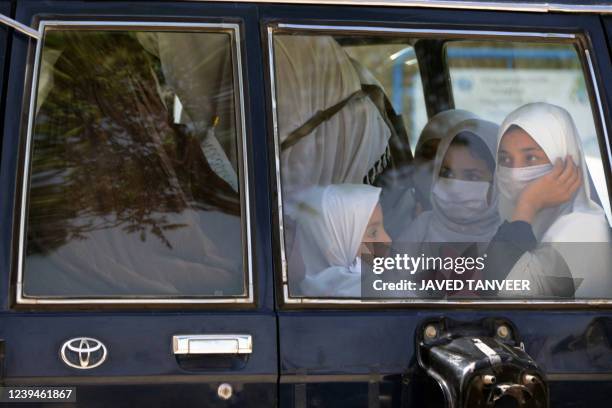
(547, 273)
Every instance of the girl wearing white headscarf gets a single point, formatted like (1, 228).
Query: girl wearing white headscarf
(546, 206)
(463, 211)
(332, 222)
(402, 201)
(425, 151)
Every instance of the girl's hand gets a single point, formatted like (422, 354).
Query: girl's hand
(550, 190)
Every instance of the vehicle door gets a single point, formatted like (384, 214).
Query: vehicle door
(134, 242)
(5, 8)
(347, 340)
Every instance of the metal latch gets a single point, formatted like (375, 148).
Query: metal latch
(479, 364)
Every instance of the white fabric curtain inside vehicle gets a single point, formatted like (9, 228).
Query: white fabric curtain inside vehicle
(314, 73)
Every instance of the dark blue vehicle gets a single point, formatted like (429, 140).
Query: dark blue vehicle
(153, 160)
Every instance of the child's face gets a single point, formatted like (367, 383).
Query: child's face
(518, 149)
(375, 231)
(375, 234)
(460, 163)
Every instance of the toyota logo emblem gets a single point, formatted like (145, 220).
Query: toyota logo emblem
(83, 353)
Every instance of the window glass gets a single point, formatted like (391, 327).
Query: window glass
(500, 198)
(134, 180)
(396, 68)
(523, 73)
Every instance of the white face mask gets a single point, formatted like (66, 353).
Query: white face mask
(512, 180)
(461, 201)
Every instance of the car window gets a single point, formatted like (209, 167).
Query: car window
(134, 184)
(499, 198)
(523, 73)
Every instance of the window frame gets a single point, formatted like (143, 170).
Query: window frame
(576, 38)
(235, 30)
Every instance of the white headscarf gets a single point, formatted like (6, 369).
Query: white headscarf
(331, 222)
(439, 125)
(580, 219)
(436, 128)
(313, 73)
(435, 225)
(399, 199)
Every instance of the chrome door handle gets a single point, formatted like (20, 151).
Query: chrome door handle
(212, 344)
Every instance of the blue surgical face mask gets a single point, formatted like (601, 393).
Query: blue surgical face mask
(460, 200)
(512, 180)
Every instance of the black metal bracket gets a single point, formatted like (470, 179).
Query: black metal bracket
(480, 364)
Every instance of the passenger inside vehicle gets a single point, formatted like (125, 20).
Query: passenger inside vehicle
(330, 131)
(403, 205)
(426, 149)
(546, 203)
(334, 224)
(463, 196)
